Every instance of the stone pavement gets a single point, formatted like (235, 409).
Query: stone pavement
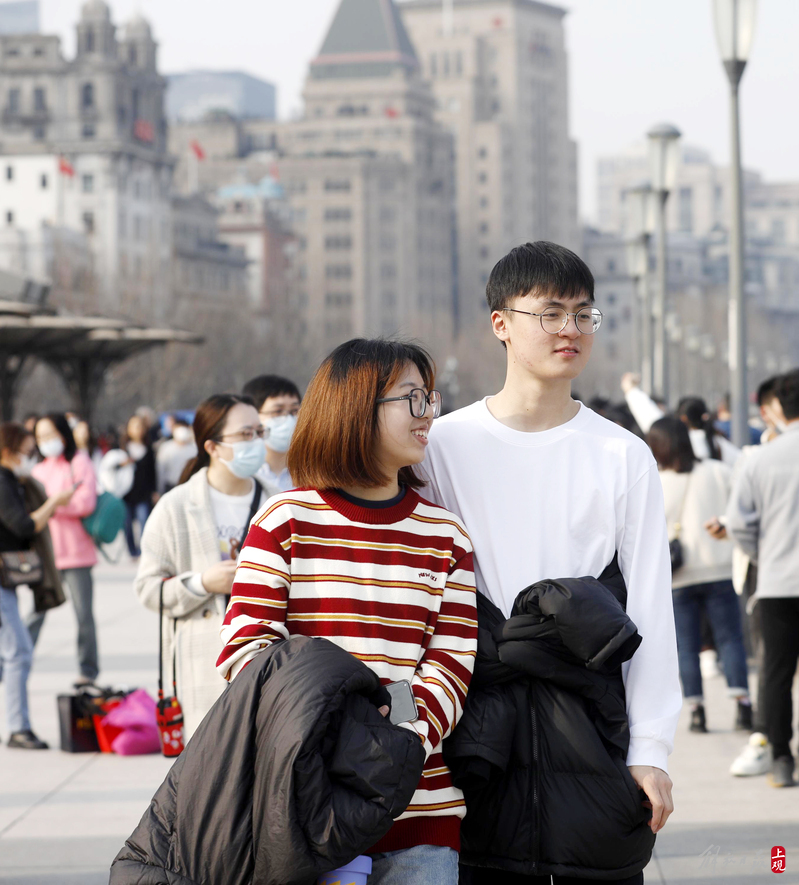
(63, 817)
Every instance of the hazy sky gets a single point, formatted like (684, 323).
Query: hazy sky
(632, 63)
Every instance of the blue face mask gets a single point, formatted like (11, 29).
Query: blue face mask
(248, 458)
(280, 433)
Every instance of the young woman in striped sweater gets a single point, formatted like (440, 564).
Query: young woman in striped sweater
(357, 556)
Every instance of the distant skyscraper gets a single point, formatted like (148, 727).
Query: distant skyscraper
(192, 95)
(19, 17)
(499, 70)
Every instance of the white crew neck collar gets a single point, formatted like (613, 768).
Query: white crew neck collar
(530, 439)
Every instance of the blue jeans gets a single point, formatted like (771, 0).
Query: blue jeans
(420, 865)
(16, 652)
(720, 603)
(78, 583)
(135, 513)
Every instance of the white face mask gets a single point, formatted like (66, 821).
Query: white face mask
(25, 466)
(181, 434)
(52, 448)
(137, 450)
(281, 430)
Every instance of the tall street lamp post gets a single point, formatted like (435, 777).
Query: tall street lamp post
(664, 153)
(640, 203)
(735, 26)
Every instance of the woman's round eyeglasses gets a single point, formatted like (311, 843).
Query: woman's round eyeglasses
(418, 401)
(554, 319)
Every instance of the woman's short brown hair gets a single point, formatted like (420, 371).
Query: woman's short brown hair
(12, 435)
(334, 445)
(671, 445)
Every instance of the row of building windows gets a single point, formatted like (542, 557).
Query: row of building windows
(445, 64)
(338, 242)
(14, 100)
(338, 299)
(16, 52)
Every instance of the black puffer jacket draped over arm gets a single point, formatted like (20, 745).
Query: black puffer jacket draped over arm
(540, 751)
(292, 773)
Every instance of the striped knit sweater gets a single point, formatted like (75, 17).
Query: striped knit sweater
(395, 588)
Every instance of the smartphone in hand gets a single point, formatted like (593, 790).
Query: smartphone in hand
(403, 703)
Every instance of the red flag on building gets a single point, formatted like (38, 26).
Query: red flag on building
(65, 167)
(274, 171)
(197, 149)
(143, 131)
(391, 113)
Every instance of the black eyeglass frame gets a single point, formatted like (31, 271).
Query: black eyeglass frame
(257, 433)
(409, 397)
(594, 311)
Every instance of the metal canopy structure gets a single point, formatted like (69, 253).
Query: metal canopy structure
(80, 349)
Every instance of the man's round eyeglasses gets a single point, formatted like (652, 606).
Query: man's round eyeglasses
(555, 319)
(418, 401)
(246, 434)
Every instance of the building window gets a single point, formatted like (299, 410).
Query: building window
(39, 99)
(458, 63)
(337, 184)
(387, 214)
(87, 96)
(610, 298)
(433, 64)
(9, 173)
(388, 271)
(13, 101)
(88, 130)
(482, 178)
(88, 222)
(43, 182)
(482, 153)
(338, 214)
(484, 252)
(685, 209)
(38, 52)
(9, 217)
(445, 64)
(132, 55)
(338, 299)
(90, 40)
(338, 242)
(611, 265)
(39, 132)
(484, 228)
(87, 184)
(338, 272)
(483, 202)
(778, 230)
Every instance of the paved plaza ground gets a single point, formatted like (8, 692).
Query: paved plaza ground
(63, 817)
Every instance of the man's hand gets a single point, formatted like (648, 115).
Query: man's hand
(657, 786)
(629, 381)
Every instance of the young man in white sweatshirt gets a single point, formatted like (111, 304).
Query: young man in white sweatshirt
(549, 489)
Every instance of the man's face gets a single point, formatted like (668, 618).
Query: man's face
(542, 354)
(278, 406)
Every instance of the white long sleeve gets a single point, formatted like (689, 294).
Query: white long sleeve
(561, 504)
(645, 410)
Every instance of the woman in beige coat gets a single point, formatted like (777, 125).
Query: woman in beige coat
(190, 542)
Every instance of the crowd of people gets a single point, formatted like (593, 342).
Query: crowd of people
(351, 516)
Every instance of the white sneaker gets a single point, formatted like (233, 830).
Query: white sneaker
(755, 757)
(709, 663)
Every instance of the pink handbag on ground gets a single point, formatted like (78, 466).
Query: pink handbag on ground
(135, 716)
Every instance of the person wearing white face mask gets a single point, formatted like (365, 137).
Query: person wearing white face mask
(65, 467)
(278, 402)
(18, 532)
(173, 455)
(191, 540)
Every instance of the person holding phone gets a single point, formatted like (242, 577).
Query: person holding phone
(357, 556)
(66, 467)
(18, 530)
(190, 542)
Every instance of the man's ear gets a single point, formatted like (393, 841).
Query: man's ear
(499, 325)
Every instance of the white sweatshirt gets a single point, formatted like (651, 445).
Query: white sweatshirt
(691, 499)
(560, 504)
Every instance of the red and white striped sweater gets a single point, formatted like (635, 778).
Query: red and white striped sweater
(395, 588)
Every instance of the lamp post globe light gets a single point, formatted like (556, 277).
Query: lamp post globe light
(664, 155)
(641, 211)
(735, 28)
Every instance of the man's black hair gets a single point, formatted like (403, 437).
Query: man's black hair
(541, 268)
(788, 394)
(264, 387)
(767, 390)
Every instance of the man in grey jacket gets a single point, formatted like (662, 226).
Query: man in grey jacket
(763, 518)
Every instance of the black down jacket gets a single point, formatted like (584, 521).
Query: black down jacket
(291, 774)
(540, 751)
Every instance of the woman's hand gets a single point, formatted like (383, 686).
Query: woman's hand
(63, 498)
(716, 529)
(219, 578)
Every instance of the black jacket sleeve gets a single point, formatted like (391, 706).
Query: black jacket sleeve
(14, 518)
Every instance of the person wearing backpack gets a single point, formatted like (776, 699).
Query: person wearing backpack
(64, 467)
